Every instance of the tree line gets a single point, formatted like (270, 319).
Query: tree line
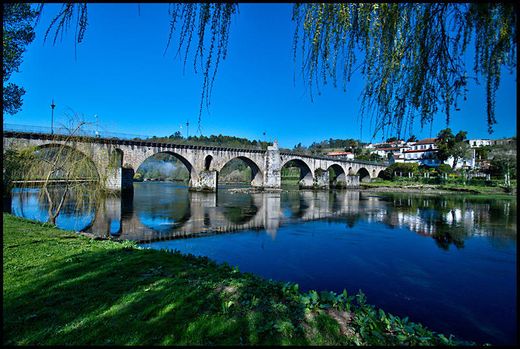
(212, 140)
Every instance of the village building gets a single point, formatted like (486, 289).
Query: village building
(342, 155)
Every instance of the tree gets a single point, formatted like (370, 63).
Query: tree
(412, 55)
(504, 159)
(449, 145)
(63, 171)
(503, 164)
(412, 139)
(300, 148)
(460, 148)
(176, 135)
(17, 34)
(399, 168)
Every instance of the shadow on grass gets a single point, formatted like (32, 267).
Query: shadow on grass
(128, 296)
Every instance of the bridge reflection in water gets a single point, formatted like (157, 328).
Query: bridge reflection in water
(143, 218)
(163, 211)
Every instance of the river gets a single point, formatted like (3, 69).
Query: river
(447, 261)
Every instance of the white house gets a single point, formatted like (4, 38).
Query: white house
(342, 155)
(422, 152)
(477, 143)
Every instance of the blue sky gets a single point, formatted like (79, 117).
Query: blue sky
(121, 74)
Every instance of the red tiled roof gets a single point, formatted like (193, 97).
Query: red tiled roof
(426, 141)
(387, 148)
(419, 150)
(340, 153)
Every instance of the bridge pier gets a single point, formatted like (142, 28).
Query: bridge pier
(273, 175)
(321, 179)
(339, 182)
(352, 181)
(206, 181)
(114, 179)
(127, 179)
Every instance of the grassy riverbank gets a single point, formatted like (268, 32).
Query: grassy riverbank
(412, 186)
(64, 288)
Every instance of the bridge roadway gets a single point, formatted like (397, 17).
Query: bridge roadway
(117, 160)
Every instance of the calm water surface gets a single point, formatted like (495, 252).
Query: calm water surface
(448, 261)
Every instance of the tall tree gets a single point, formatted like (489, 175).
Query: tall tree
(17, 34)
(412, 138)
(451, 146)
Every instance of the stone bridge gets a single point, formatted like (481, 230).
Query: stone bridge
(116, 161)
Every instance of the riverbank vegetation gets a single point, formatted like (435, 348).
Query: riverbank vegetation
(64, 288)
(413, 186)
(412, 176)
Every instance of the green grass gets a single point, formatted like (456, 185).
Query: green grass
(64, 288)
(472, 189)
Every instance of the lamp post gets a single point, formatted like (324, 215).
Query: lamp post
(52, 116)
(97, 125)
(187, 130)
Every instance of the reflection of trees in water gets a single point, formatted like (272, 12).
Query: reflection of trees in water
(240, 208)
(296, 201)
(352, 218)
(162, 203)
(451, 219)
(78, 207)
(76, 203)
(334, 203)
(443, 239)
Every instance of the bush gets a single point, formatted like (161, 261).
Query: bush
(138, 177)
(444, 168)
(403, 168)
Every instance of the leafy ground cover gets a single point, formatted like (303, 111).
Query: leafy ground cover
(64, 288)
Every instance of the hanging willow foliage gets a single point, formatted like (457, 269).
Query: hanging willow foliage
(210, 21)
(203, 17)
(412, 54)
(61, 22)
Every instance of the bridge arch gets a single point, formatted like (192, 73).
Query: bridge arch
(306, 174)
(191, 170)
(364, 175)
(207, 162)
(257, 177)
(95, 167)
(381, 174)
(337, 176)
(116, 158)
